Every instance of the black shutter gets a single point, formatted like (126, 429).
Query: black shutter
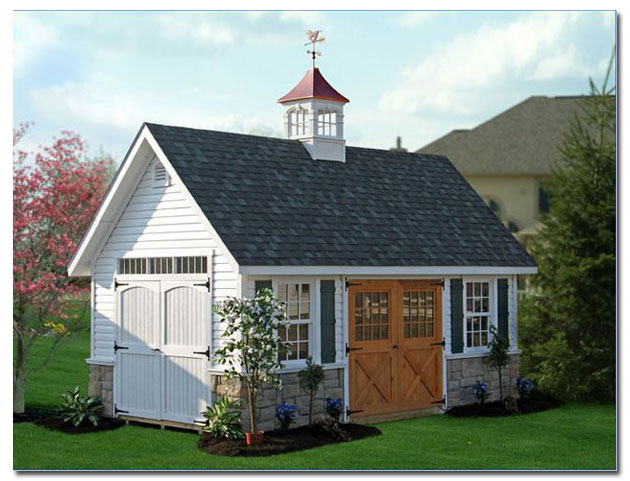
(327, 310)
(457, 316)
(262, 284)
(502, 307)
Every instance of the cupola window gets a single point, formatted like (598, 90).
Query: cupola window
(298, 122)
(327, 123)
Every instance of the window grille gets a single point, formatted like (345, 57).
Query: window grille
(163, 265)
(297, 297)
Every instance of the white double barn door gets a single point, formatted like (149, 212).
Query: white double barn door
(161, 368)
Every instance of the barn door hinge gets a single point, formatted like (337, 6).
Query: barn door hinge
(441, 401)
(348, 349)
(349, 412)
(440, 343)
(441, 284)
(206, 284)
(348, 284)
(206, 353)
(119, 411)
(116, 347)
(118, 284)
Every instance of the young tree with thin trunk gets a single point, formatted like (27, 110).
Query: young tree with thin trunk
(54, 199)
(250, 350)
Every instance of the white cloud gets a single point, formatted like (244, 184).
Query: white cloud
(196, 28)
(308, 18)
(413, 19)
(100, 105)
(31, 40)
(492, 56)
(565, 63)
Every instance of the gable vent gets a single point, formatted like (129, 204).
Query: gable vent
(160, 176)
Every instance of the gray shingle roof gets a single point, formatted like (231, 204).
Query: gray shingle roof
(523, 140)
(273, 205)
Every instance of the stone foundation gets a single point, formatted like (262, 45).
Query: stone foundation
(101, 384)
(463, 373)
(269, 398)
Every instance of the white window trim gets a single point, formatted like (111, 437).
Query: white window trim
(313, 330)
(492, 321)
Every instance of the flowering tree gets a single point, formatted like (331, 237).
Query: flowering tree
(54, 199)
(251, 349)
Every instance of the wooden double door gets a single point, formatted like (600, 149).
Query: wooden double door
(395, 346)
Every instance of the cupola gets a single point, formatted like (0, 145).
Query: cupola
(314, 113)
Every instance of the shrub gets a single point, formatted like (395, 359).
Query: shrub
(480, 390)
(310, 379)
(525, 386)
(285, 413)
(334, 408)
(224, 419)
(77, 409)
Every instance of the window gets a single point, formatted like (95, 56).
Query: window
(495, 207)
(163, 265)
(513, 227)
(298, 122)
(191, 265)
(327, 123)
(297, 297)
(418, 314)
(132, 266)
(477, 315)
(371, 316)
(543, 199)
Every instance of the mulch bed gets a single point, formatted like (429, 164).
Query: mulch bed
(32, 414)
(56, 423)
(496, 408)
(295, 439)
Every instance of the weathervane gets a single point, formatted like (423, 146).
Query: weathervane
(313, 38)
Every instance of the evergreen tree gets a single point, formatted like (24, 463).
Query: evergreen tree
(568, 323)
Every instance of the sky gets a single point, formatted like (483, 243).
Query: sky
(417, 75)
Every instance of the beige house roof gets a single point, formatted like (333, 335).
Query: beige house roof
(523, 140)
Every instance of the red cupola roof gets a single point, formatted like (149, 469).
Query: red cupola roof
(313, 86)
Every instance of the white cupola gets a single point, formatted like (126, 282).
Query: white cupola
(314, 116)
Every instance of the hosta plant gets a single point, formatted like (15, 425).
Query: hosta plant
(224, 420)
(77, 409)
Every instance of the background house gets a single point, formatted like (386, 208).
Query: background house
(507, 158)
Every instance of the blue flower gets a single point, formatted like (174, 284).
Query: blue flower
(334, 407)
(525, 386)
(285, 413)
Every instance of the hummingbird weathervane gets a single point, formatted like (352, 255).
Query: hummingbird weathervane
(314, 36)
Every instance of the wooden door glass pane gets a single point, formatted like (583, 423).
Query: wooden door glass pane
(371, 316)
(418, 314)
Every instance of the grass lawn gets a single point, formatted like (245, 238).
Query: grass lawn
(570, 437)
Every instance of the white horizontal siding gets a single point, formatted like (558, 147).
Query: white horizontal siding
(156, 221)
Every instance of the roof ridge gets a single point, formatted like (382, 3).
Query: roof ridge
(197, 129)
(510, 109)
